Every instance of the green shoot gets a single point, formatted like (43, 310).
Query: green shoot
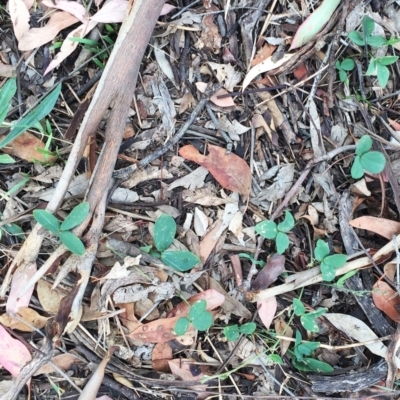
(233, 332)
(329, 264)
(199, 316)
(307, 319)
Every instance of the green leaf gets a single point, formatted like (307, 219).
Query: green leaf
(248, 329)
(393, 41)
(261, 263)
(338, 65)
(307, 348)
(388, 60)
(276, 358)
(282, 242)
(203, 322)
(298, 307)
(328, 273)
(382, 73)
(342, 75)
(287, 224)
(364, 145)
(371, 67)
(348, 64)
(312, 365)
(232, 333)
(72, 243)
(6, 94)
(317, 313)
(368, 25)
(373, 161)
(336, 261)
(33, 117)
(357, 170)
(164, 232)
(47, 220)
(181, 326)
(308, 322)
(146, 249)
(267, 229)
(377, 41)
(15, 230)
(6, 159)
(197, 309)
(321, 250)
(356, 38)
(180, 260)
(76, 216)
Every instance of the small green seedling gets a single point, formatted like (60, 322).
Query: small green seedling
(329, 264)
(63, 230)
(343, 67)
(198, 316)
(302, 361)
(307, 319)
(11, 229)
(371, 161)
(233, 332)
(377, 66)
(270, 230)
(164, 234)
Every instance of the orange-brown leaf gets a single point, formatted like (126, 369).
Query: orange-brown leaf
(231, 171)
(387, 300)
(162, 353)
(384, 227)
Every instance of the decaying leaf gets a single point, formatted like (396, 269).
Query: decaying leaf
(283, 329)
(162, 353)
(231, 171)
(283, 179)
(63, 361)
(270, 273)
(382, 226)
(32, 318)
(20, 17)
(387, 300)
(191, 181)
(49, 299)
(267, 310)
(225, 102)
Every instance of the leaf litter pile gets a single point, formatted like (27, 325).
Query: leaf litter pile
(199, 199)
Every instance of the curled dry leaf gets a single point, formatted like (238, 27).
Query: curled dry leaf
(20, 17)
(266, 310)
(384, 227)
(49, 298)
(31, 317)
(72, 7)
(270, 273)
(13, 354)
(231, 171)
(37, 37)
(266, 65)
(387, 300)
(225, 102)
(314, 23)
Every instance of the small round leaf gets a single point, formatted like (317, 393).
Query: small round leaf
(287, 224)
(204, 321)
(309, 323)
(357, 38)
(321, 250)
(72, 243)
(180, 260)
(373, 161)
(231, 333)
(348, 64)
(164, 232)
(327, 272)
(342, 75)
(298, 307)
(282, 242)
(181, 326)
(376, 41)
(47, 220)
(336, 261)
(357, 170)
(383, 74)
(364, 145)
(75, 217)
(248, 329)
(197, 309)
(267, 229)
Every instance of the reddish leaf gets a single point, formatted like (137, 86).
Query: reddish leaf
(266, 310)
(387, 300)
(231, 171)
(384, 227)
(395, 124)
(225, 102)
(13, 354)
(270, 273)
(162, 353)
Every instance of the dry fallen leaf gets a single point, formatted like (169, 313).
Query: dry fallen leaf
(20, 17)
(31, 317)
(270, 273)
(266, 310)
(283, 329)
(62, 361)
(231, 171)
(225, 102)
(384, 227)
(387, 300)
(162, 353)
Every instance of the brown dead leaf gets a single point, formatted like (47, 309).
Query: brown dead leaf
(62, 361)
(270, 273)
(266, 310)
(283, 329)
(210, 37)
(210, 240)
(187, 369)
(27, 147)
(49, 299)
(231, 171)
(387, 300)
(263, 53)
(384, 227)
(128, 317)
(20, 17)
(27, 314)
(162, 353)
(225, 102)
(301, 72)
(37, 37)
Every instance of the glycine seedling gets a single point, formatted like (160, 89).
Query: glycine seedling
(343, 67)
(371, 161)
(232, 332)
(278, 232)
(63, 230)
(198, 315)
(307, 319)
(329, 264)
(302, 361)
(164, 234)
